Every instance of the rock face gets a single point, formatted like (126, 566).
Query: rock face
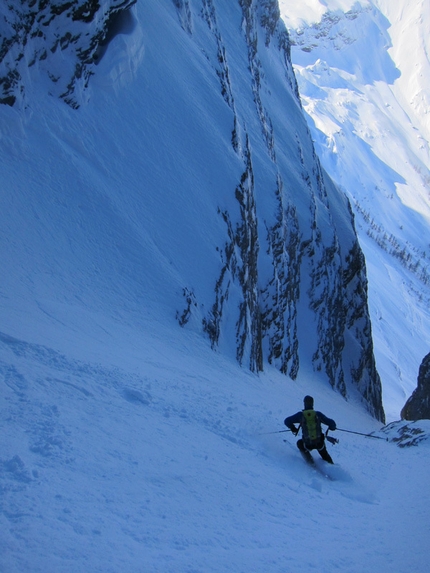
(56, 43)
(305, 262)
(289, 287)
(418, 405)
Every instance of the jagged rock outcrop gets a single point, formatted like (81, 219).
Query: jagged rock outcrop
(329, 31)
(407, 434)
(418, 405)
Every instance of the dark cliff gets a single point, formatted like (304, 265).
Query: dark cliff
(417, 406)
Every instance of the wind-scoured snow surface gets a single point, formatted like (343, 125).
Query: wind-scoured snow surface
(363, 70)
(128, 444)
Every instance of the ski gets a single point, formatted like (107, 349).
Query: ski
(322, 472)
(309, 460)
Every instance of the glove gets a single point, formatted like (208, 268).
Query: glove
(294, 430)
(333, 427)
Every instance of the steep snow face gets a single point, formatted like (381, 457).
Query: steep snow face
(364, 75)
(188, 186)
(410, 50)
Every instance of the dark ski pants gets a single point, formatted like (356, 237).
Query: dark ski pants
(305, 449)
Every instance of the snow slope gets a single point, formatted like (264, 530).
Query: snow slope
(364, 74)
(152, 459)
(127, 443)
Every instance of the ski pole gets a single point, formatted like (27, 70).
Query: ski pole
(278, 432)
(361, 434)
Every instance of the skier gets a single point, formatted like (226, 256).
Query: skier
(312, 436)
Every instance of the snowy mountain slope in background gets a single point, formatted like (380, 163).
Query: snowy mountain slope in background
(173, 193)
(364, 74)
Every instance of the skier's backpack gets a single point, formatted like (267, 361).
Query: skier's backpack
(311, 426)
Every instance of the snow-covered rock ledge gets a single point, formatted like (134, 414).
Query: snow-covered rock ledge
(407, 434)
